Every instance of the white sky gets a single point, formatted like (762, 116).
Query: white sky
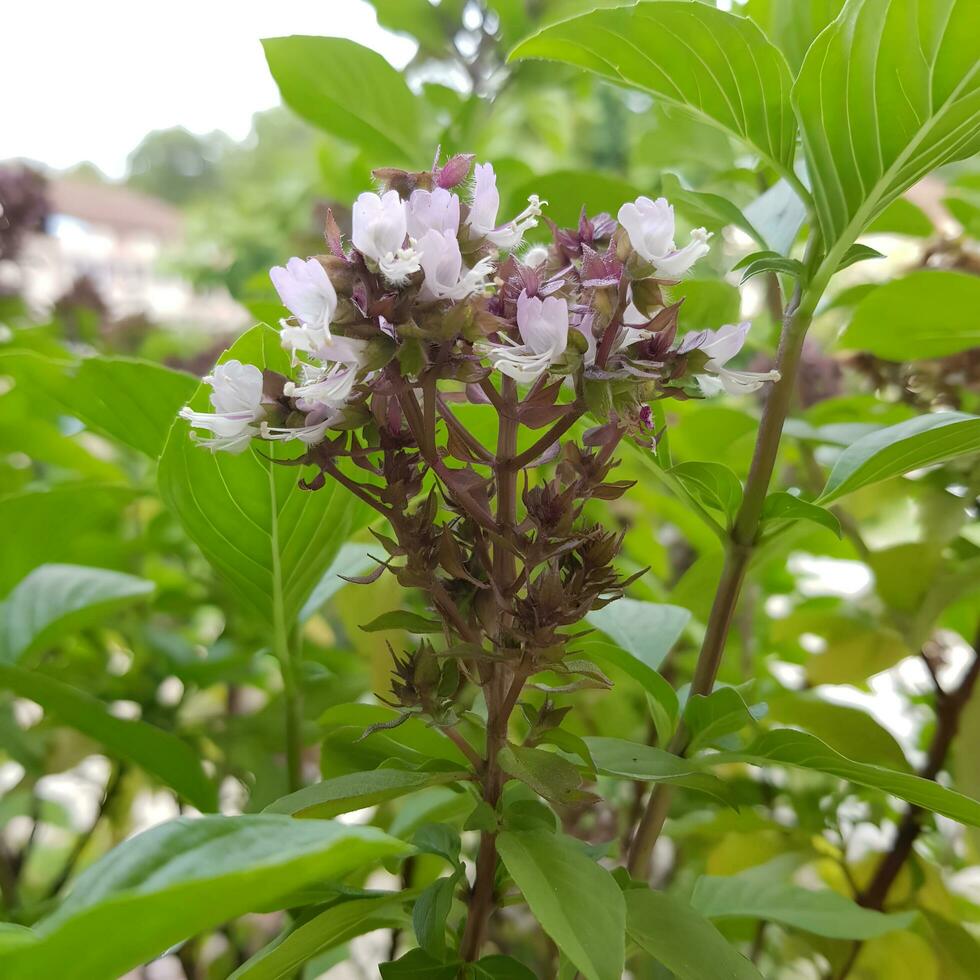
(87, 80)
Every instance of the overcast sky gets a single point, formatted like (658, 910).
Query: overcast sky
(87, 80)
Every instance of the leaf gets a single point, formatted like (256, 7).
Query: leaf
(158, 752)
(897, 449)
(352, 559)
(932, 313)
(130, 400)
(58, 599)
(707, 302)
(417, 964)
(634, 760)
(712, 63)
(752, 894)
(430, 912)
(548, 774)
(701, 208)
(713, 716)
(687, 944)
(498, 968)
(850, 731)
(351, 92)
(356, 790)
(576, 901)
(320, 932)
(887, 93)
(399, 619)
(793, 25)
(858, 253)
(778, 213)
(268, 538)
(646, 630)
(783, 506)
(568, 191)
(791, 748)
(759, 263)
(712, 485)
(182, 879)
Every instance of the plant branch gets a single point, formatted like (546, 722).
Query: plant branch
(462, 433)
(529, 455)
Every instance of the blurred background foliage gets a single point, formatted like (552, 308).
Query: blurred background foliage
(840, 634)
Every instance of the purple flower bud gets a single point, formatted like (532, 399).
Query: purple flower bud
(454, 170)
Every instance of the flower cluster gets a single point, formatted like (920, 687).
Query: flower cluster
(426, 289)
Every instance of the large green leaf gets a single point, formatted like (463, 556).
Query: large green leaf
(181, 879)
(320, 932)
(576, 901)
(932, 313)
(754, 894)
(786, 747)
(351, 92)
(57, 599)
(887, 93)
(158, 752)
(645, 630)
(692, 55)
(567, 191)
(356, 790)
(670, 931)
(902, 448)
(793, 25)
(268, 538)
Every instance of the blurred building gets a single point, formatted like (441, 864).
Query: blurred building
(118, 240)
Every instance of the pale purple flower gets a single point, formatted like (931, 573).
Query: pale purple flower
(436, 210)
(380, 226)
(650, 226)
(721, 346)
(307, 292)
(237, 399)
(543, 325)
(482, 218)
(442, 263)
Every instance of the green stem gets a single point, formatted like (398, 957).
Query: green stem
(740, 544)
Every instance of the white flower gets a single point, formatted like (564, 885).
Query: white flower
(543, 325)
(436, 210)
(330, 388)
(482, 218)
(721, 346)
(380, 225)
(442, 263)
(307, 292)
(650, 226)
(237, 399)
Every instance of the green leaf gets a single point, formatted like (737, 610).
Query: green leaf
(713, 716)
(548, 774)
(430, 912)
(399, 619)
(858, 253)
(158, 752)
(785, 747)
(417, 964)
(932, 313)
(633, 760)
(792, 25)
(576, 901)
(715, 64)
(887, 93)
(687, 944)
(701, 208)
(850, 731)
(567, 191)
(351, 92)
(356, 790)
(707, 302)
(182, 879)
(783, 506)
(353, 559)
(901, 448)
(759, 263)
(127, 399)
(778, 213)
(499, 968)
(269, 539)
(712, 485)
(58, 599)
(320, 932)
(753, 894)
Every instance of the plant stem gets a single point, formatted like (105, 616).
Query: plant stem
(738, 553)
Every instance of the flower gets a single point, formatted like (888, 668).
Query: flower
(721, 346)
(307, 292)
(482, 218)
(436, 210)
(650, 226)
(543, 325)
(380, 225)
(237, 399)
(442, 264)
